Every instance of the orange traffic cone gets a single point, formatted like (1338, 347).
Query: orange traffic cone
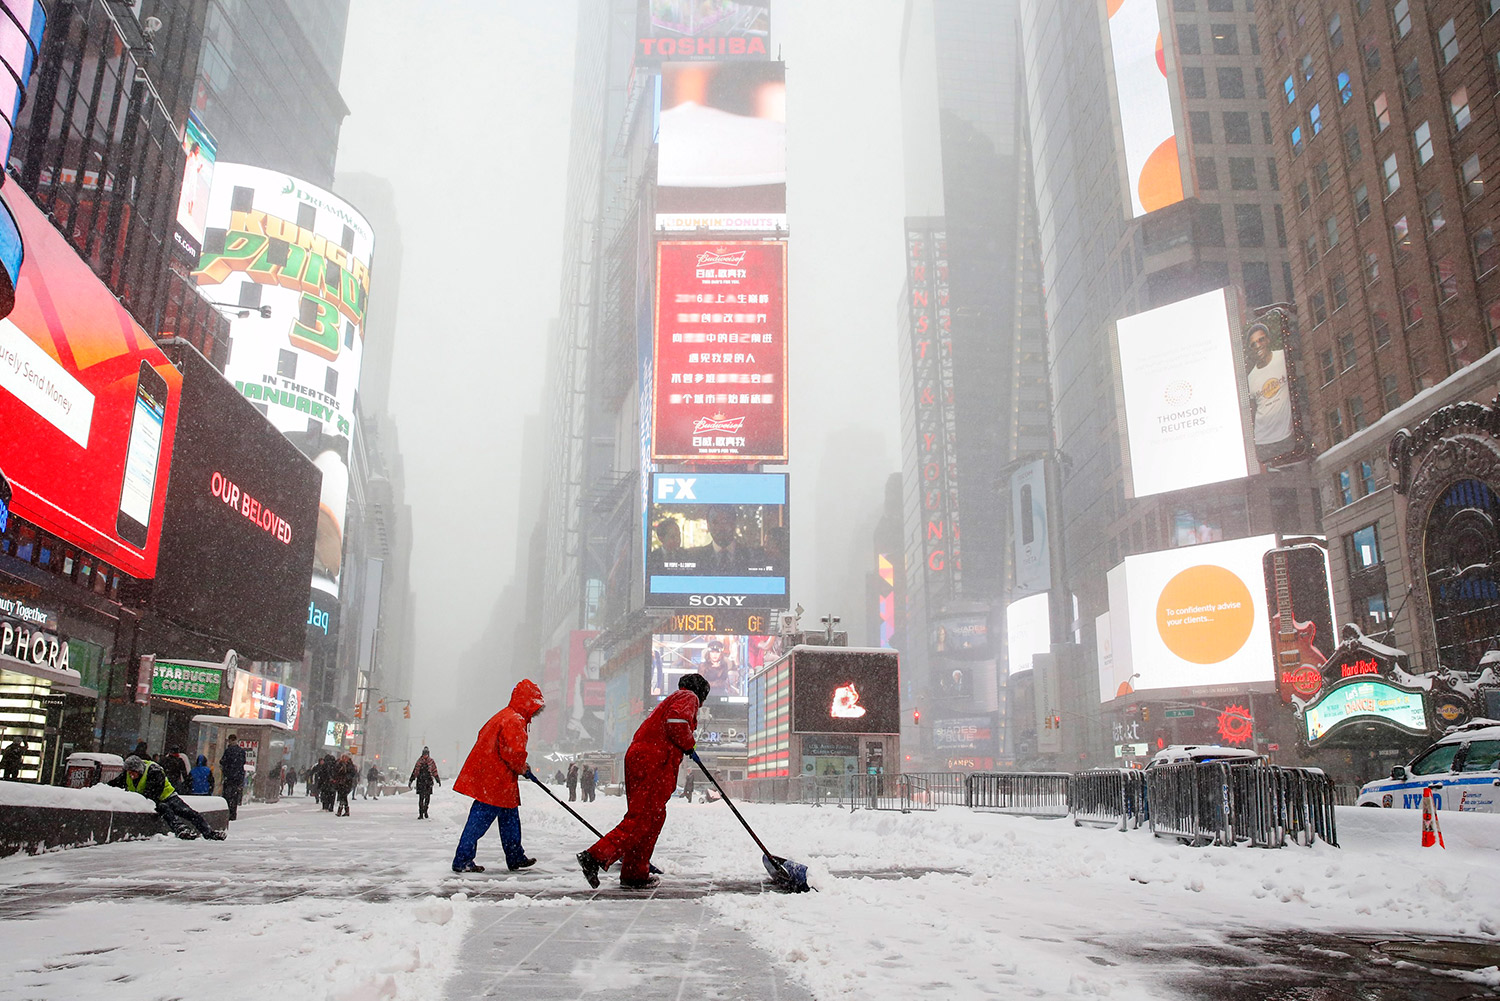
(1432, 834)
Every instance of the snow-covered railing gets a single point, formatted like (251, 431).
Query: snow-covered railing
(1219, 803)
(1033, 794)
(1109, 797)
(944, 788)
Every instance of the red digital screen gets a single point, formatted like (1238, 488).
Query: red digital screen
(88, 405)
(720, 364)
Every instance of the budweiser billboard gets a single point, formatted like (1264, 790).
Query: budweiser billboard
(720, 364)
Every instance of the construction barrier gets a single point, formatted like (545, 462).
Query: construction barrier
(1030, 794)
(1109, 797)
(1263, 805)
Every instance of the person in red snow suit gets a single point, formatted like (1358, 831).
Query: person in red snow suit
(489, 776)
(651, 764)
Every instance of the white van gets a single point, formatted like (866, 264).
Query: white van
(1177, 754)
(1462, 769)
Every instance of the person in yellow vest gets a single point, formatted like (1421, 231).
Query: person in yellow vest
(150, 780)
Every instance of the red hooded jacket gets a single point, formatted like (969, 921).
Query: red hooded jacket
(499, 755)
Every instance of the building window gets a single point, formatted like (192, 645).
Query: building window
(1458, 104)
(1336, 435)
(1310, 251)
(1486, 253)
(1364, 548)
(1208, 174)
(1361, 203)
(1356, 405)
(1304, 196)
(1266, 135)
(1307, 66)
(1338, 290)
(1351, 144)
(1392, 175)
(1319, 306)
(1411, 81)
(1491, 325)
(1411, 304)
(1401, 15)
(1447, 279)
(1187, 39)
(1231, 83)
(1380, 322)
(1260, 83)
(1488, 8)
(1193, 84)
(1330, 233)
(1320, 173)
(1432, 207)
(1250, 229)
(1382, 113)
(1390, 388)
(1348, 353)
(1325, 363)
(1447, 43)
(1346, 87)
(1280, 232)
(1315, 118)
(1401, 237)
(1237, 127)
(1289, 86)
(1209, 229)
(1472, 180)
(1226, 39)
(1372, 267)
(1422, 139)
(1242, 173)
(1274, 174)
(1296, 140)
(1199, 125)
(1335, 32)
(1256, 276)
(1367, 476)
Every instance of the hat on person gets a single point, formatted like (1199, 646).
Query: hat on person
(231, 736)
(134, 764)
(695, 683)
(425, 750)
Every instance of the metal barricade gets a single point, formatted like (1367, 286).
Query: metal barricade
(870, 792)
(1031, 794)
(1190, 801)
(1109, 797)
(1262, 805)
(944, 788)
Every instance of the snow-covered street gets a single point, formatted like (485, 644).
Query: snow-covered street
(305, 905)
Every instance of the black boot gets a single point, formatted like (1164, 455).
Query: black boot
(590, 867)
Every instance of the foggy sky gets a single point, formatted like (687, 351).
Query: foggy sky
(474, 140)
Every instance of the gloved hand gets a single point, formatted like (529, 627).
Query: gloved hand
(530, 776)
(694, 755)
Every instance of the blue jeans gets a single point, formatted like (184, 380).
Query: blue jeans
(481, 815)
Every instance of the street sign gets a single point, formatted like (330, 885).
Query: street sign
(1178, 713)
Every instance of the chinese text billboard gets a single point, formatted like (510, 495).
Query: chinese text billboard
(1143, 98)
(285, 248)
(88, 405)
(720, 366)
(721, 147)
(929, 318)
(1184, 411)
(718, 540)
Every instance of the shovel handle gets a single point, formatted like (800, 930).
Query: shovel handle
(574, 812)
(764, 850)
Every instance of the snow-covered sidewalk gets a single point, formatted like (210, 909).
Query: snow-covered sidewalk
(312, 906)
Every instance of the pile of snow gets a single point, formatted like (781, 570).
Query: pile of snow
(100, 797)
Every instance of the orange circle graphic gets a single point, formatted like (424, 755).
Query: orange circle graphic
(1205, 614)
(1161, 55)
(1161, 177)
(1112, 7)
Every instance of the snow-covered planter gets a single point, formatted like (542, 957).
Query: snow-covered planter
(35, 819)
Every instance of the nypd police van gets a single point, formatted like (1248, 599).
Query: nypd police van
(1462, 770)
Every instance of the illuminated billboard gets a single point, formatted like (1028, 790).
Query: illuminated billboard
(21, 31)
(1360, 701)
(197, 181)
(88, 405)
(704, 29)
(929, 320)
(298, 258)
(1300, 603)
(839, 690)
(1143, 96)
(256, 697)
(1184, 411)
(240, 520)
(726, 660)
(1189, 617)
(721, 147)
(1028, 502)
(1276, 425)
(719, 370)
(718, 541)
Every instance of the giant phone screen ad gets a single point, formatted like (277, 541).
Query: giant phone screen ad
(88, 405)
(717, 541)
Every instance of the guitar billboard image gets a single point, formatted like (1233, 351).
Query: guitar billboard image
(1301, 619)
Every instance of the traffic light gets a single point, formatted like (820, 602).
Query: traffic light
(1057, 722)
(382, 704)
(1145, 714)
(359, 710)
(406, 711)
(916, 717)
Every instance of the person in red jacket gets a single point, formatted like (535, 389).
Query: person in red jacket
(489, 776)
(651, 764)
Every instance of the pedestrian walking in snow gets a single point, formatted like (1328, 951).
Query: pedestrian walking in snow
(345, 781)
(424, 773)
(651, 765)
(291, 779)
(372, 783)
(572, 781)
(586, 779)
(326, 788)
(489, 775)
(150, 780)
(232, 775)
(12, 758)
(201, 778)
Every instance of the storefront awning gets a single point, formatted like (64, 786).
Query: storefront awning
(65, 678)
(237, 721)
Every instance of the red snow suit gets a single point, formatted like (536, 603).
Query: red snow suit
(499, 754)
(651, 765)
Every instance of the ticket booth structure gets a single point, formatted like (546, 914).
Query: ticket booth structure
(825, 716)
(262, 740)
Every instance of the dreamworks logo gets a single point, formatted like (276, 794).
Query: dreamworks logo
(337, 211)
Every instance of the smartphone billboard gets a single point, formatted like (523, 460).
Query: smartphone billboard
(719, 369)
(88, 405)
(298, 259)
(197, 181)
(717, 541)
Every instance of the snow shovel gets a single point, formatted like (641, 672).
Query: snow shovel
(789, 876)
(574, 812)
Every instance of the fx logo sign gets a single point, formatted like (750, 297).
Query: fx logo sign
(675, 488)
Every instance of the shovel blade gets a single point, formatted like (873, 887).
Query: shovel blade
(789, 876)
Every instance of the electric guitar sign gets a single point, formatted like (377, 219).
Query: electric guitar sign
(1297, 585)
